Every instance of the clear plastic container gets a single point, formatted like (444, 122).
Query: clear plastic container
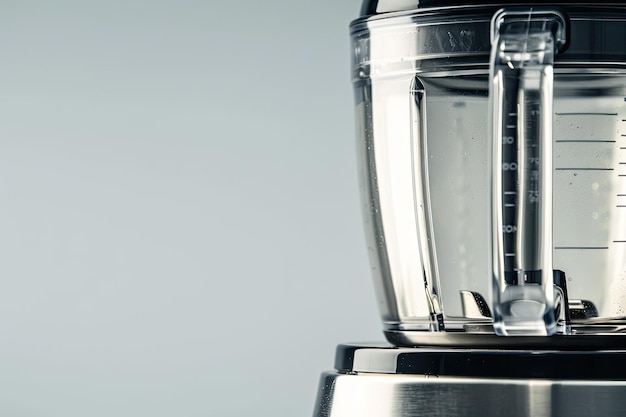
(493, 167)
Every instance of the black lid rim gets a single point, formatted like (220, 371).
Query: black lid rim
(482, 363)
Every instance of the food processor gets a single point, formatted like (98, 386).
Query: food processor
(492, 154)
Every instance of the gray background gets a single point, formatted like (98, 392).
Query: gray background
(180, 232)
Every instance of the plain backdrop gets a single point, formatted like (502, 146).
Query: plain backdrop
(180, 226)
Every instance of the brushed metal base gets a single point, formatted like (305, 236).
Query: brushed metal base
(385, 381)
(387, 395)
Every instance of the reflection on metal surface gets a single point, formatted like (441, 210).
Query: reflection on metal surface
(380, 395)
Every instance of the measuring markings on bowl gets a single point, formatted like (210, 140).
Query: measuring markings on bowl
(584, 169)
(585, 141)
(587, 114)
(581, 247)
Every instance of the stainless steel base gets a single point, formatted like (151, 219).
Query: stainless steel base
(383, 381)
(386, 395)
